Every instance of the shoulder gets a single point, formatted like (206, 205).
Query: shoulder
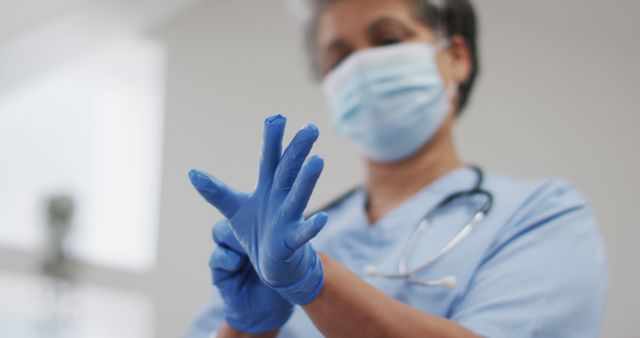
(550, 218)
(536, 202)
(537, 191)
(547, 258)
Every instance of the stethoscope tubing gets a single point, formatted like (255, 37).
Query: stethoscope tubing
(448, 281)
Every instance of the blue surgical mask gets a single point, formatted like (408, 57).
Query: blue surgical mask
(389, 100)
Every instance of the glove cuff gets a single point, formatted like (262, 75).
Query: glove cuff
(308, 288)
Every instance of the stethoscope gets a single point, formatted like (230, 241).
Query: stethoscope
(449, 281)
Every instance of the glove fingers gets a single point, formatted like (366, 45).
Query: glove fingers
(218, 194)
(300, 194)
(271, 147)
(294, 157)
(223, 236)
(224, 264)
(226, 259)
(307, 231)
(219, 276)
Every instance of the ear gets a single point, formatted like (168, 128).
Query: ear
(461, 62)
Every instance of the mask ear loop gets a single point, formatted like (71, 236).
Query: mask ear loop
(442, 44)
(452, 87)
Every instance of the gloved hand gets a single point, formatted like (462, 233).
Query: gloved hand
(268, 222)
(249, 304)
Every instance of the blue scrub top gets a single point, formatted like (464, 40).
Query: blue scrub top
(534, 267)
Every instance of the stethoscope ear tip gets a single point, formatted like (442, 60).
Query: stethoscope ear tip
(370, 270)
(449, 282)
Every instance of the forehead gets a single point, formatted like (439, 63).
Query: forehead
(349, 19)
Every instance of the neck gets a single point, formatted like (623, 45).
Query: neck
(389, 184)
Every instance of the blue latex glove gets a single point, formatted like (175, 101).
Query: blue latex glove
(249, 305)
(269, 222)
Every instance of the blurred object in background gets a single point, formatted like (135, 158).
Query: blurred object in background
(57, 295)
(56, 261)
(58, 304)
(35, 307)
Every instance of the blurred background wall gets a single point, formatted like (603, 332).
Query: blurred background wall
(556, 97)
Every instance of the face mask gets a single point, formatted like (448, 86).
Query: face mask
(389, 100)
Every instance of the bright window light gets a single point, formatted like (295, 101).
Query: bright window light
(91, 130)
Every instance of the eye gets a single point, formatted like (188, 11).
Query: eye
(389, 41)
(389, 31)
(390, 37)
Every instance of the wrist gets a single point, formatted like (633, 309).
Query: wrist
(304, 290)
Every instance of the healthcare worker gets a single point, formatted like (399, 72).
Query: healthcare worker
(428, 246)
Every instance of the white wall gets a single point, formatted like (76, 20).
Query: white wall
(556, 97)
